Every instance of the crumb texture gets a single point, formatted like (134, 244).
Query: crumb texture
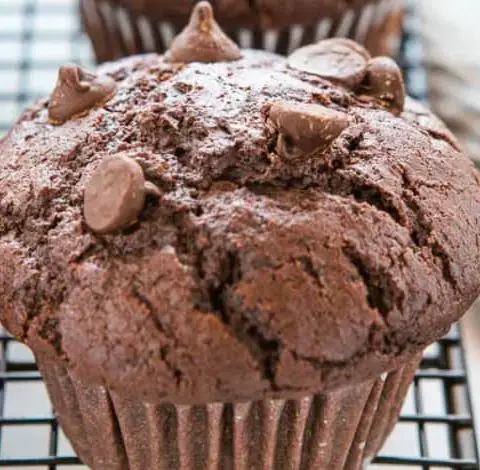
(260, 268)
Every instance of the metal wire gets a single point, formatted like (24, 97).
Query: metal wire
(443, 438)
(444, 365)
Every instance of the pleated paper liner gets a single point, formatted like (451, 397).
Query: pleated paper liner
(116, 32)
(340, 430)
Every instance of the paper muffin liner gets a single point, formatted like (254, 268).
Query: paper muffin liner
(117, 32)
(340, 430)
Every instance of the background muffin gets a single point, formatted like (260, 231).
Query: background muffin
(235, 264)
(124, 27)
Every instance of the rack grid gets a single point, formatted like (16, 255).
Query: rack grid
(436, 429)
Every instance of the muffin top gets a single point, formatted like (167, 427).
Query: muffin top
(236, 224)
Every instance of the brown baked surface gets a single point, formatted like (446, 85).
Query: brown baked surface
(253, 274)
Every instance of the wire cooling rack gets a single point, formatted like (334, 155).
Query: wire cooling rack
(436, 429)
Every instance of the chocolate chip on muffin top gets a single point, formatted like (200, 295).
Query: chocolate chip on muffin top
(115, 194)
(76, 92)
(340, 60)
(203, 40)
(306, 231)
(307, 127)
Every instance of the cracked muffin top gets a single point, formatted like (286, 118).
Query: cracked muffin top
(217, 224)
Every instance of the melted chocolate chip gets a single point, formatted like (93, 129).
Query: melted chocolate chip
(305, 126)
(339, 60)
(115, 195)
(76, 92)
(202, 40)
(385, 81)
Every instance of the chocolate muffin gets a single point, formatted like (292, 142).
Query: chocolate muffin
(228, 259)
(120, 28)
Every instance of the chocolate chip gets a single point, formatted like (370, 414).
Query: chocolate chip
(385, 81)
(115, 195)
(76, 92)
(202, 40)
(305, 126)
(339, 60)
